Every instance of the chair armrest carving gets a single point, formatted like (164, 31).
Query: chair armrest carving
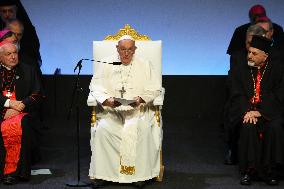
(159, 100)
(91, 101)
(93, 117)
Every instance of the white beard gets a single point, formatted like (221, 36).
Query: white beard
(250, 63)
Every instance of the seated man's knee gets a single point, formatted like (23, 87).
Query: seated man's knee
(248, 126)
(100, 131)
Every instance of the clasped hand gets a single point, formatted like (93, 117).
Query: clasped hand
(110, 102)
(251, 117)
(138, 101)
(15, 108)
(17, 105)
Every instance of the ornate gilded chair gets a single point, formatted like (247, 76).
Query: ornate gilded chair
(146, 48)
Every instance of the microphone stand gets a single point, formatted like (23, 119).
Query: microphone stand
(77, 91)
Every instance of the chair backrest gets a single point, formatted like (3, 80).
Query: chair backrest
(146, 48)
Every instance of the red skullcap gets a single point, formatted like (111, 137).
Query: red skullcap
(257, 9)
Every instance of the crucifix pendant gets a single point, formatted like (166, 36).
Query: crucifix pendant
(8, 94)
(122, 91)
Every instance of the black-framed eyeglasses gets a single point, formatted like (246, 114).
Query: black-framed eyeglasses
(124, 50)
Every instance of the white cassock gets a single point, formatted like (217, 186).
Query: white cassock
(125, 141)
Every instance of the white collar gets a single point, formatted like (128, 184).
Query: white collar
(8, 68)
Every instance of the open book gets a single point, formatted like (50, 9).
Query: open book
(124, 102)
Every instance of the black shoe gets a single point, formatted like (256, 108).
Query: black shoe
(272, 181)
(139, 184)
(10, 180)
(98, 183)
(245, 180)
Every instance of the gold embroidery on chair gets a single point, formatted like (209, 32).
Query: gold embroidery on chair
(128, 30)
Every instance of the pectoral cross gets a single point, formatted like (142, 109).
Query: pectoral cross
(122, 91)
(8, 94)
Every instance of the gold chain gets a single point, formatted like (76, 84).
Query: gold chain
(254, 82)
(127, 75)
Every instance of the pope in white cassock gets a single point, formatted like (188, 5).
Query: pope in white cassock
(126, 140)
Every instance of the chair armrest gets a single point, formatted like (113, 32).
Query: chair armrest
(159, 100)
(91, 101)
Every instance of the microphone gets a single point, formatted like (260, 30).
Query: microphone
(113, 63)
(79, 64)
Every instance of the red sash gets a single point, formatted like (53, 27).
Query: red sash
(12, 137)
(256, 98)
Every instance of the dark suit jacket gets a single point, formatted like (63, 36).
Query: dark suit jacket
(272, 90)
(238, 40)
(28, 87)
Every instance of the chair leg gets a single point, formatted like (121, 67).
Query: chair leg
(162, 168)
(93, 117)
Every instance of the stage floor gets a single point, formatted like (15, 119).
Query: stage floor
(192, 151)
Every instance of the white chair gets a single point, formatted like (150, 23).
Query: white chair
(146, 48)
